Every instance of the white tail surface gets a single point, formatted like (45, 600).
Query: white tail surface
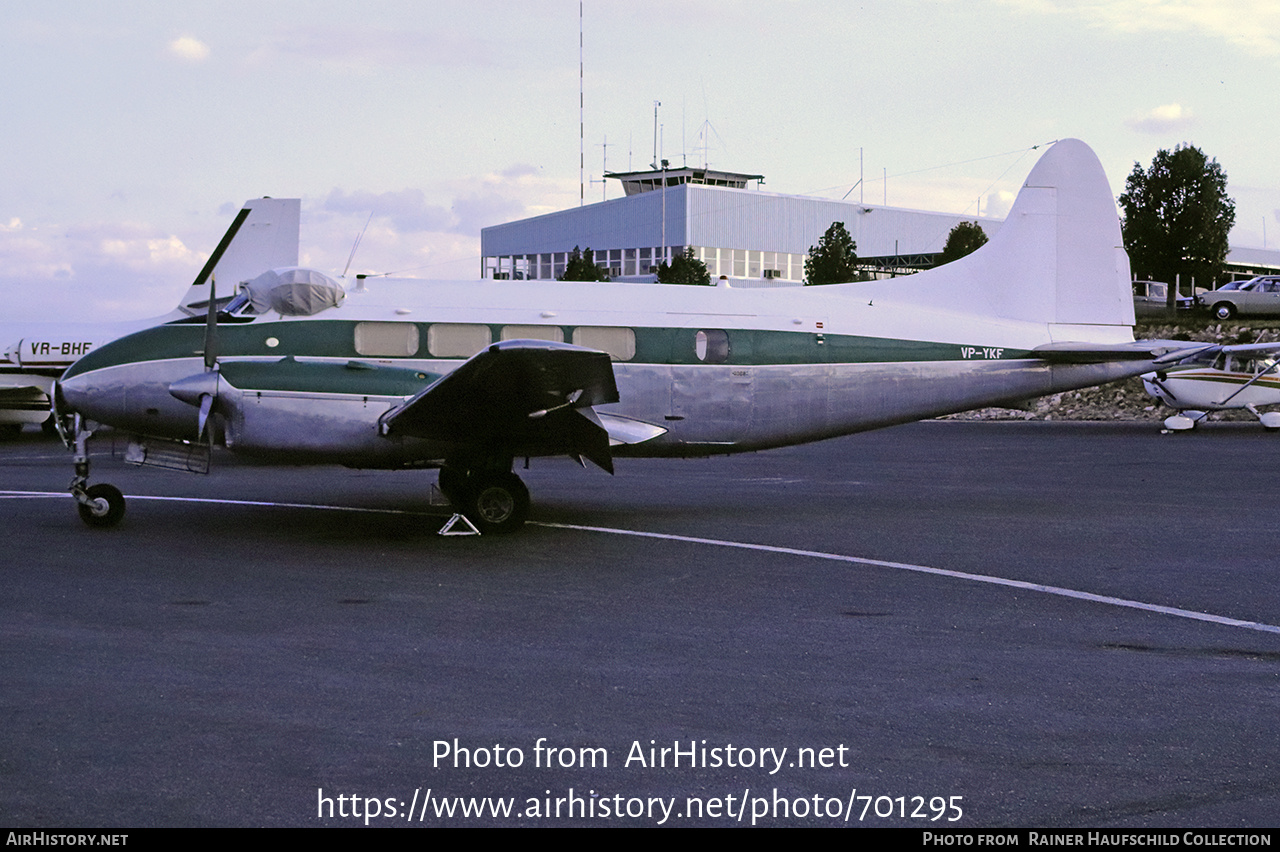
(1058, 259)
(268, 239)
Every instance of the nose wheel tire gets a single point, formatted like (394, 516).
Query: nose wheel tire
(104, 506)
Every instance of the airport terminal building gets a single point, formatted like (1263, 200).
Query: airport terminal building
(752, 237)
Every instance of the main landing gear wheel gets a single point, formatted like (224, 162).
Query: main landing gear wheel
(104, 507)
(496, 502)
(453, 485)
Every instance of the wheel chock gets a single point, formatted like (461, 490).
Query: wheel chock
(451, 527)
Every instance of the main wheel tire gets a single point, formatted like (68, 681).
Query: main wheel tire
(1224, 310)
(105, 507)
(453, 485)
(498, 503)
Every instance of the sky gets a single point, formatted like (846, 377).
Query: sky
(134, 130)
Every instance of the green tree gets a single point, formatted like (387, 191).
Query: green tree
(834, 259)
(685, 268)
(965, 238)
(1177, 216)
(582, 267)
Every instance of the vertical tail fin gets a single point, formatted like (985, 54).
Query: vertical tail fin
(265, 239)
(1058, 258)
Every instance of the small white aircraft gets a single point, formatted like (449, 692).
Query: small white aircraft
(468, 376)
(1222, 377)
(264, 234)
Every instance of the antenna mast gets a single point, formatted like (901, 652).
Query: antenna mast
(654, 164)
(582, 157)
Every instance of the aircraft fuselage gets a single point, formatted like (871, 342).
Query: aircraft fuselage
(720, 370)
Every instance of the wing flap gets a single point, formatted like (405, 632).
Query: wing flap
(518, 397)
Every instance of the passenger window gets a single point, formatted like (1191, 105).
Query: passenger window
(554, 333)
(619, 343)
(386, 339)
(712, 346)
(457, 340)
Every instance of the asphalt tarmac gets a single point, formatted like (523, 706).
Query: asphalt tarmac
(939, 625)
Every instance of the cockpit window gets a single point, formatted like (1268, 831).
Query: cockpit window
(240, 305)
(1251, 364)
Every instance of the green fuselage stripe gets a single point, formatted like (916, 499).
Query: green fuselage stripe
(663, 346)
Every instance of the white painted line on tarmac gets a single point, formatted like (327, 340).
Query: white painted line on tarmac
(19, 495)
(941, 572)
(741, 545)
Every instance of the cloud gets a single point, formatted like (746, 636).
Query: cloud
(355, 47)
(189, 49)
(92, 271)
(407, 209)
(519, 170)
(30, 259)
(137, 248)
(478, 203)
(1253, 25)
(1169, 118)
(998, 204)
(484, 209)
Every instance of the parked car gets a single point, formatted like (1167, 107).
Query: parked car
(1150, 299)
(1255, 297)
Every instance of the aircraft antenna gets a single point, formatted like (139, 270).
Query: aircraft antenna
(356, 245)
(582, 157)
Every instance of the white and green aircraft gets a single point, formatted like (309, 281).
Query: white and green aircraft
(469, 376)
(1220, 378)
(33, 354)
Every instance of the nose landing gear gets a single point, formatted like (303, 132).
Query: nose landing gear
(100, 505)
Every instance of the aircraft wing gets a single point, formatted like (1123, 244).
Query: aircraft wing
(517, 398)
(1159, 351)
(27, 381)
(1252, 347)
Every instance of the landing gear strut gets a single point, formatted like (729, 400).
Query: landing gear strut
(100, 505)
(496, 501)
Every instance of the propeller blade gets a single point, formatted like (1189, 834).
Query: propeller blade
(206, 406)
(200, 390)
(1158, 383)
(211, 326)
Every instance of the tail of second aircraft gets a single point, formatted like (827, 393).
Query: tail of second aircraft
(1058, 259)
(263, 236)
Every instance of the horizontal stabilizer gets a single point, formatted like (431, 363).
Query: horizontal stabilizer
(1160, 351)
